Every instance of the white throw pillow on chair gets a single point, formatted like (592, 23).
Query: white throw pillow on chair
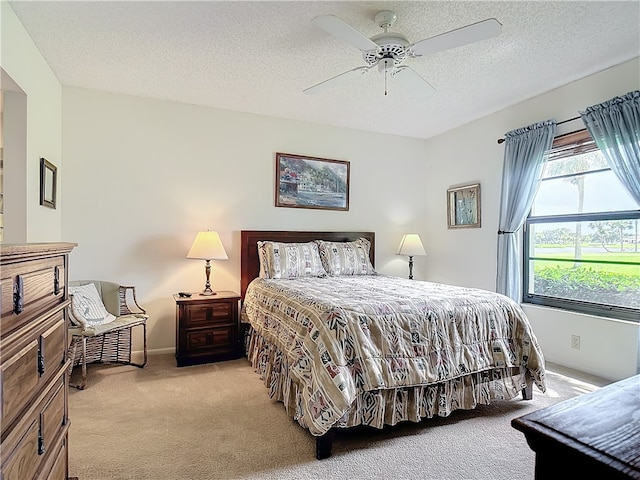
(87, 306)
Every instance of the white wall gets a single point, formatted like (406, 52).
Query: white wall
(15, 165)
(471, 153)
(25, 218)
(142, 177)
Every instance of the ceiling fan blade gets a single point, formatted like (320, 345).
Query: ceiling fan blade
(412, 82)
(342, 30)
(337, 80)
(456, 38)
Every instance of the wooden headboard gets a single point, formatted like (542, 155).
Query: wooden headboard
(250, 264)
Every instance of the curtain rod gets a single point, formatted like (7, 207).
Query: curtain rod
(501, 140)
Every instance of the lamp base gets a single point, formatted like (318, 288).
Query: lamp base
(207, 286)
(208, 293)
(410, 267)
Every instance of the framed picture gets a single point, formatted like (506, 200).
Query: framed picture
(463, 206)
(310, 182)
(48, 183)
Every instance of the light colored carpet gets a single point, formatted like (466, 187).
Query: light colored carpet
(216, 421)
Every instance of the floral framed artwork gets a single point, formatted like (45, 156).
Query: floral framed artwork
(48, 183)
(463, 206)
(311, 182)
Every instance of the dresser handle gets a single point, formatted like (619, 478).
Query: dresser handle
(18, 298)
(41, 448)
(40, 364)
(41, 356)
(56, 280)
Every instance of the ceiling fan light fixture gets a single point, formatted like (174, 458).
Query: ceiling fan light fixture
(394, 45)
(385, 64)
(388, 50)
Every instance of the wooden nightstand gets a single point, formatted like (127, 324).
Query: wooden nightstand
(207, 328)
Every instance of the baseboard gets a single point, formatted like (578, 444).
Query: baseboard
(162, 351)
(577, 374)
(138, 354)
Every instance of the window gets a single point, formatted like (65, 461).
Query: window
(582, 236)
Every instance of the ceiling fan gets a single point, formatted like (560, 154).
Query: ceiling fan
(388, 50)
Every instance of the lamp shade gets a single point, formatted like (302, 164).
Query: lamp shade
(207, 246)
(411, 245)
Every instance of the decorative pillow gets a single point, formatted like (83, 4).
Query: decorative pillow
(290, 260)
(87, 306)
(264, 260)
(346, 258)
(76, 322)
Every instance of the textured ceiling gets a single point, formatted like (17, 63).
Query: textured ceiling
(259, 56)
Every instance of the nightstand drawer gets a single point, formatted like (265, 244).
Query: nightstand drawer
(216, 313)
(217, 338)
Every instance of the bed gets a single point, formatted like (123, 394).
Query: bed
(353, 347)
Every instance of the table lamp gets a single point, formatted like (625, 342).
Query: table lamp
(411, 245)
(207, 246)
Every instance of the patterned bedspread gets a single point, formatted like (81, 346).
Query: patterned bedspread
(346, 335)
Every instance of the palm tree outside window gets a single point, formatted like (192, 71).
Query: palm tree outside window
(581, 241)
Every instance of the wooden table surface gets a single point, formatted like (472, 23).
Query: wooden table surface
(595, 433)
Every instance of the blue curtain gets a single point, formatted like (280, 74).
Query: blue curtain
(524, 158)
(615, 127)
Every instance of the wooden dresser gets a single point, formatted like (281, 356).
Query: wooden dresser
(33, 361)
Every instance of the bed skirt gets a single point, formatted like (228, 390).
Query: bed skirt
(389, 406)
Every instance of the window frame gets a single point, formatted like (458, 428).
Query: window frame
(566, 146)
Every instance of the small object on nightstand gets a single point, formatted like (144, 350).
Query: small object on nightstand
(207, 328)
(184, 294)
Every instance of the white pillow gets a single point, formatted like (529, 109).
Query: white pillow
(87, 306)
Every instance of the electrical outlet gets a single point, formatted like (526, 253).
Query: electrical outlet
(575, 342)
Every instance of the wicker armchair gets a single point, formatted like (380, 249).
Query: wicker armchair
(111, 342)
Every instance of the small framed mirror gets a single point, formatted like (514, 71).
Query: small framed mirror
(48, 183)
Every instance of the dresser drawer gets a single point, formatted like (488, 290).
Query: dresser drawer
(215, 313)
(218, 339)
(22, 462)
(60, 459)
(41, 429)
(28, 362)
(53, 417)
(30, 288)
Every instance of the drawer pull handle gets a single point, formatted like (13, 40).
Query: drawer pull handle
(56, 280)
(18, 295)
(41, 447)
(40, 364)
(41, 357)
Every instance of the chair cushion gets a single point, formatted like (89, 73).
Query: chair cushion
(124, 321)
(87, 308)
